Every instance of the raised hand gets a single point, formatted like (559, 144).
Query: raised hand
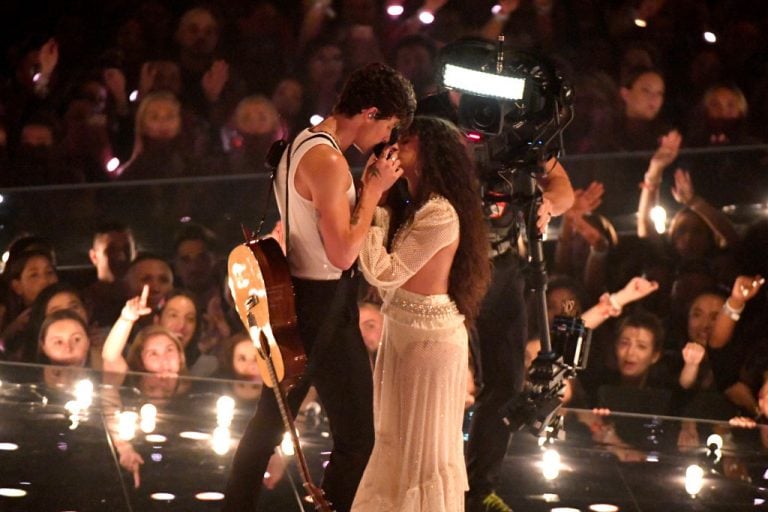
(589, 199)
(136, 307)
(114, 79)
(682, 190)
(216, 324)
(48, 57)
(744, 288)
(215, 79)
(666, 153)
(508, 6)
(605, 308)
(635, 289)
(147, 78)
(693, 353)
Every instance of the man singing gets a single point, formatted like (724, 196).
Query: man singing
(325, 229)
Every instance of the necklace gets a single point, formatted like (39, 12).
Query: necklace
(331, 134)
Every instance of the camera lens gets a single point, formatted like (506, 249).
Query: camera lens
(486, 114)
(482, 114)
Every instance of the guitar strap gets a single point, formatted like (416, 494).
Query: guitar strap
(287, 227)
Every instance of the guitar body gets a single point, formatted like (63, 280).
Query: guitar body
(261, 287)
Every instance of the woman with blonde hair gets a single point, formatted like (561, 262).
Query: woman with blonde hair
(159, 150)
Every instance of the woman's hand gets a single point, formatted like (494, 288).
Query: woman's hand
(744, 288)
(131, 461)
(693, 353)
(682, 190)
(136, 307)
(666, 153)
(635, 289)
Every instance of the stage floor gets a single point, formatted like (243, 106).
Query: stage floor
(58, 451)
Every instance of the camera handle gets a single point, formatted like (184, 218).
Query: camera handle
(526, 198)
(538, 272)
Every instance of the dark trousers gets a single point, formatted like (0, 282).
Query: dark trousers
(501, 331)
(340, 371)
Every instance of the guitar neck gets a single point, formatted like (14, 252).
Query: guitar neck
(288, 422)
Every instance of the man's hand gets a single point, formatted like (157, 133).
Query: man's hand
(381, 173)
(544, 215)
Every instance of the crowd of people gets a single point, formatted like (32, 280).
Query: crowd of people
(159, 91)
(677, 313)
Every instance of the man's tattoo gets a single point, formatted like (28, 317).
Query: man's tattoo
(373, 171)
(355, 215)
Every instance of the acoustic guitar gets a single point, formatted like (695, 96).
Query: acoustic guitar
(261, 287)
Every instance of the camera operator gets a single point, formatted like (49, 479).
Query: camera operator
(501, 326)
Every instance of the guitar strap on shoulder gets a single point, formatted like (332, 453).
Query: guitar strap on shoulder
(271, 161)
(291, 149)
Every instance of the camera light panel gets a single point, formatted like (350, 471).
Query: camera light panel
(483, 84)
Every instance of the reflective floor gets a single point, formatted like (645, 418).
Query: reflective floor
(67, 437)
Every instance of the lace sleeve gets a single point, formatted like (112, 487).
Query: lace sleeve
(434, 226)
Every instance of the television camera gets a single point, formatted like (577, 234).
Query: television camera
(513, 108)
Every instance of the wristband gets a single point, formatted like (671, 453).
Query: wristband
(614, 302)
(733, 314)
(651, 182)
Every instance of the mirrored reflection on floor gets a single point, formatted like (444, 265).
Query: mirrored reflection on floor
(73, 439)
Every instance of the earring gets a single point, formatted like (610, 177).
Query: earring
(370, 116)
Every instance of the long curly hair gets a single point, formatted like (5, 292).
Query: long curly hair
(447, 170)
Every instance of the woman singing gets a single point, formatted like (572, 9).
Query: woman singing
(432, 270)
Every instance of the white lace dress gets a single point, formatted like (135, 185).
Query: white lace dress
(420, 376)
